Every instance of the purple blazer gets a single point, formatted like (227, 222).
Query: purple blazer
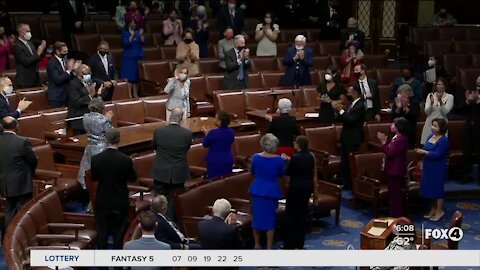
(396, 156)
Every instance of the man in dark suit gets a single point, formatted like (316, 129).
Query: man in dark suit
(471, 145)
(27, 57)
(112, 170)
(351, 33)
(103, 70)
(352, 135)
(59, 71)
(370, 93)
(18, 164)
(72, 15)
(237, 62)
(298, 60)
(233, 16)
(219, 232)
(170, 168)
(6, 88)
(331, 20)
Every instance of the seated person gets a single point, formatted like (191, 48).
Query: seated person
(147, 241)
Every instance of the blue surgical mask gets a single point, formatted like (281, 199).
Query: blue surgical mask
(87, 77)
(201, 16)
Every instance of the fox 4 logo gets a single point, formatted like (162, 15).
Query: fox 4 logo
(454, 234)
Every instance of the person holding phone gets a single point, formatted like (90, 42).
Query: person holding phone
(178, 90)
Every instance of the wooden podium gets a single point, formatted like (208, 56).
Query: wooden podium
(368, 241)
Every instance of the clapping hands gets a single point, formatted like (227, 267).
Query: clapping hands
(382, 137)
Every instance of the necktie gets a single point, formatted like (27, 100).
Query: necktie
(241, 75)
(29, 48)
(74, 7)
(364, 94)
(105, 64)
(232, 15)
(64, 64)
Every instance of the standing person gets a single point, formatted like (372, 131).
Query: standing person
(97, 125)
(219, 143)
(133, 41)
(72, 15)
(112, 170)
(6, 49)
(395, 164)
(188, 53)
(266, 33)
(199, 24)
(59, 70)
(147, 241)
(435, 167)
(331, 20)
(370, 93)
(331, 90)
(352, 135)
(438, 105)
(471, 144)
(434, 71)
(300, 169)
(224, 45)
(170, 168)
(406, 106)
(133, 14)
(6, 88)
(298, 60)
(237, 62)
(178, 91)
(103, 70)
(219, 232)
(172, 29)
(17, 167)
(233, 16)
(267, 167)
(351, 32)
(27, 57)
(120, 12)
(351, 57)
(284, 127)
(79, 95)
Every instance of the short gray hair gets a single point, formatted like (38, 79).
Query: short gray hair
(269, 143)
(284, 105)
(176, 115)
(96, 105)
(405, 88)
(221, 208)
(301, 38)
(158, 203)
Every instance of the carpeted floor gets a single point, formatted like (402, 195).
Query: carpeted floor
(327, 236)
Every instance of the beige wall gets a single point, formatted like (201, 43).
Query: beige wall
(425, 11)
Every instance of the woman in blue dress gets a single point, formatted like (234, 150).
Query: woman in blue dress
(133, 41)
(267, 168)
(219, 142)
(435, 168)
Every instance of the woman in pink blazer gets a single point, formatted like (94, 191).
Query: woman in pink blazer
(395, 163)
(172, 29)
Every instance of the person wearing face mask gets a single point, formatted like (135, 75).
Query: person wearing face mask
(6, 88)
(133, 13)
(103, 69)
(224, 45)
(133, 40)
(199, 24)
(27, 58)
(6, 48)
(471, 143)
(172, 29)
(350, 57)
(407, 78)
(178, 91)
(233, 16)
(395, 163)
(266, 34)
(433, 71)
(330, 90)
(370, 93)
(437, 105)
(350, 33)
(298, 61)
(188, 53)
(237, 62)
(406, 106)
(59, 70)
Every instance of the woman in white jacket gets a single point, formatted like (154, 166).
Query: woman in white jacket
(437, 105)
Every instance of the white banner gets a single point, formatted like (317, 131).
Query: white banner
(299, 258)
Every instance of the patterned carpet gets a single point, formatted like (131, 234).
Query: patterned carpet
(327, 236)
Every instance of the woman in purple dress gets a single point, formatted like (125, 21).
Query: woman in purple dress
(219, 142)
(395, 163)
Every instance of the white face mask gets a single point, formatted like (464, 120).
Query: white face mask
(328, 77)
(232, 6)
(298, 47)
(268, 20)
(243, 6)
(8, 90)
(28, 36)
(431, 62)
(182, 77)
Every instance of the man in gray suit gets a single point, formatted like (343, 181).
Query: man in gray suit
(27, 57)
(170, 168)
(147, 241)
(237, 63)
(18, 164)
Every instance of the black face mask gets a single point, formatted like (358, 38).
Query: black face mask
(63, 55)
(188, 40)
(357, 74)
(103, 53)
(240, 48)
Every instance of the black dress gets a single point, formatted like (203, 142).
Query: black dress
(327, 113)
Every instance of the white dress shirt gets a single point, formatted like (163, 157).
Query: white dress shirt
(366, 90)
(104, 62)
(351, 106)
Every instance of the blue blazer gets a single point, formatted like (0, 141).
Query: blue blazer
(303, 78)
(132, 48)
(58, 80)
(6, 109)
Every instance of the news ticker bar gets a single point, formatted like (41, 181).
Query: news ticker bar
(285, 258)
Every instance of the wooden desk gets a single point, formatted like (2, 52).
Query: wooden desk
(259, 117)
(196, 124)
(368, 241)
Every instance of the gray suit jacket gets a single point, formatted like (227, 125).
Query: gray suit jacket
(224, 46)
(146, 243)
(18, 164)
(171, 143)
(26, 64)
(230, 80)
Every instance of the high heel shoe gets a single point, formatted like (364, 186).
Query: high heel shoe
(437, 217)
(429, 215)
